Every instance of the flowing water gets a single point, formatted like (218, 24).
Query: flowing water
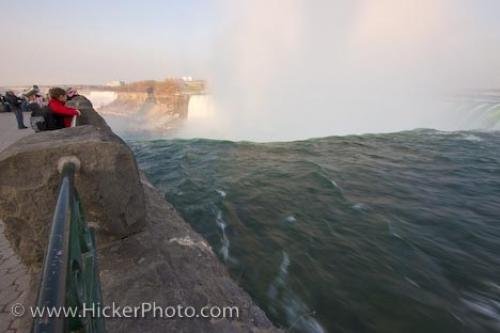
(200, 107)
(100, 99)
(394, 232)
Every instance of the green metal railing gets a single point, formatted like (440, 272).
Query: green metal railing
(70, 278)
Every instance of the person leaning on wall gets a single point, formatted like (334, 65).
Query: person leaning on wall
(57, 106)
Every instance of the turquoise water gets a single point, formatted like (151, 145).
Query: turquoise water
(375, 233)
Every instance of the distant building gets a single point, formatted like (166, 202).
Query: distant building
(115, 83)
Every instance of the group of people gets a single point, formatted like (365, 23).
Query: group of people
(47, 113)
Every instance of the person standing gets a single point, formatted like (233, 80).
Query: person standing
(3, 108)
(14, 103)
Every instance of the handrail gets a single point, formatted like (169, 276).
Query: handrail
(70, 277)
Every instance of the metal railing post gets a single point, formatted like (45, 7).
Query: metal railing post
(70, 277)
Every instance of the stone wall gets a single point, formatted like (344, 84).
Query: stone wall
(146, 251)
(108, 182)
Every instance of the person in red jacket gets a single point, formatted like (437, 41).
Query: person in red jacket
(58, 107)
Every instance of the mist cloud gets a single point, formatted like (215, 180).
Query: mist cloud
(295, 69)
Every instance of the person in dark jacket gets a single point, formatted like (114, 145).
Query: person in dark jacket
(42, 118)
(24, 104)
(3, 108)
(14, 103)
(35, 101)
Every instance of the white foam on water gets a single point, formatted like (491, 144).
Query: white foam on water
(334, 183)
(392, 230)
(221, 193)
(224, 250)
(220, 222)
(472, 137)
(359, 206)
(483, 305)
(285, 263)
(226, 244)
(300, 318)
(493, 285)
(298, 315)
(412, 282)
(280, 279)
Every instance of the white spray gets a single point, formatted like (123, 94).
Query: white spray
(293, 69)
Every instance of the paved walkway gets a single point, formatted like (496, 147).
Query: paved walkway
(8, 129)
(14, 277)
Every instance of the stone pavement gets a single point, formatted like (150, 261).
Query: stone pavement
(14, 277)
(14, 282)
(8, 129)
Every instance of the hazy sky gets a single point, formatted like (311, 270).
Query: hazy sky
(97, 41)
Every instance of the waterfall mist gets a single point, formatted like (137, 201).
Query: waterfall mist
(295, 69)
